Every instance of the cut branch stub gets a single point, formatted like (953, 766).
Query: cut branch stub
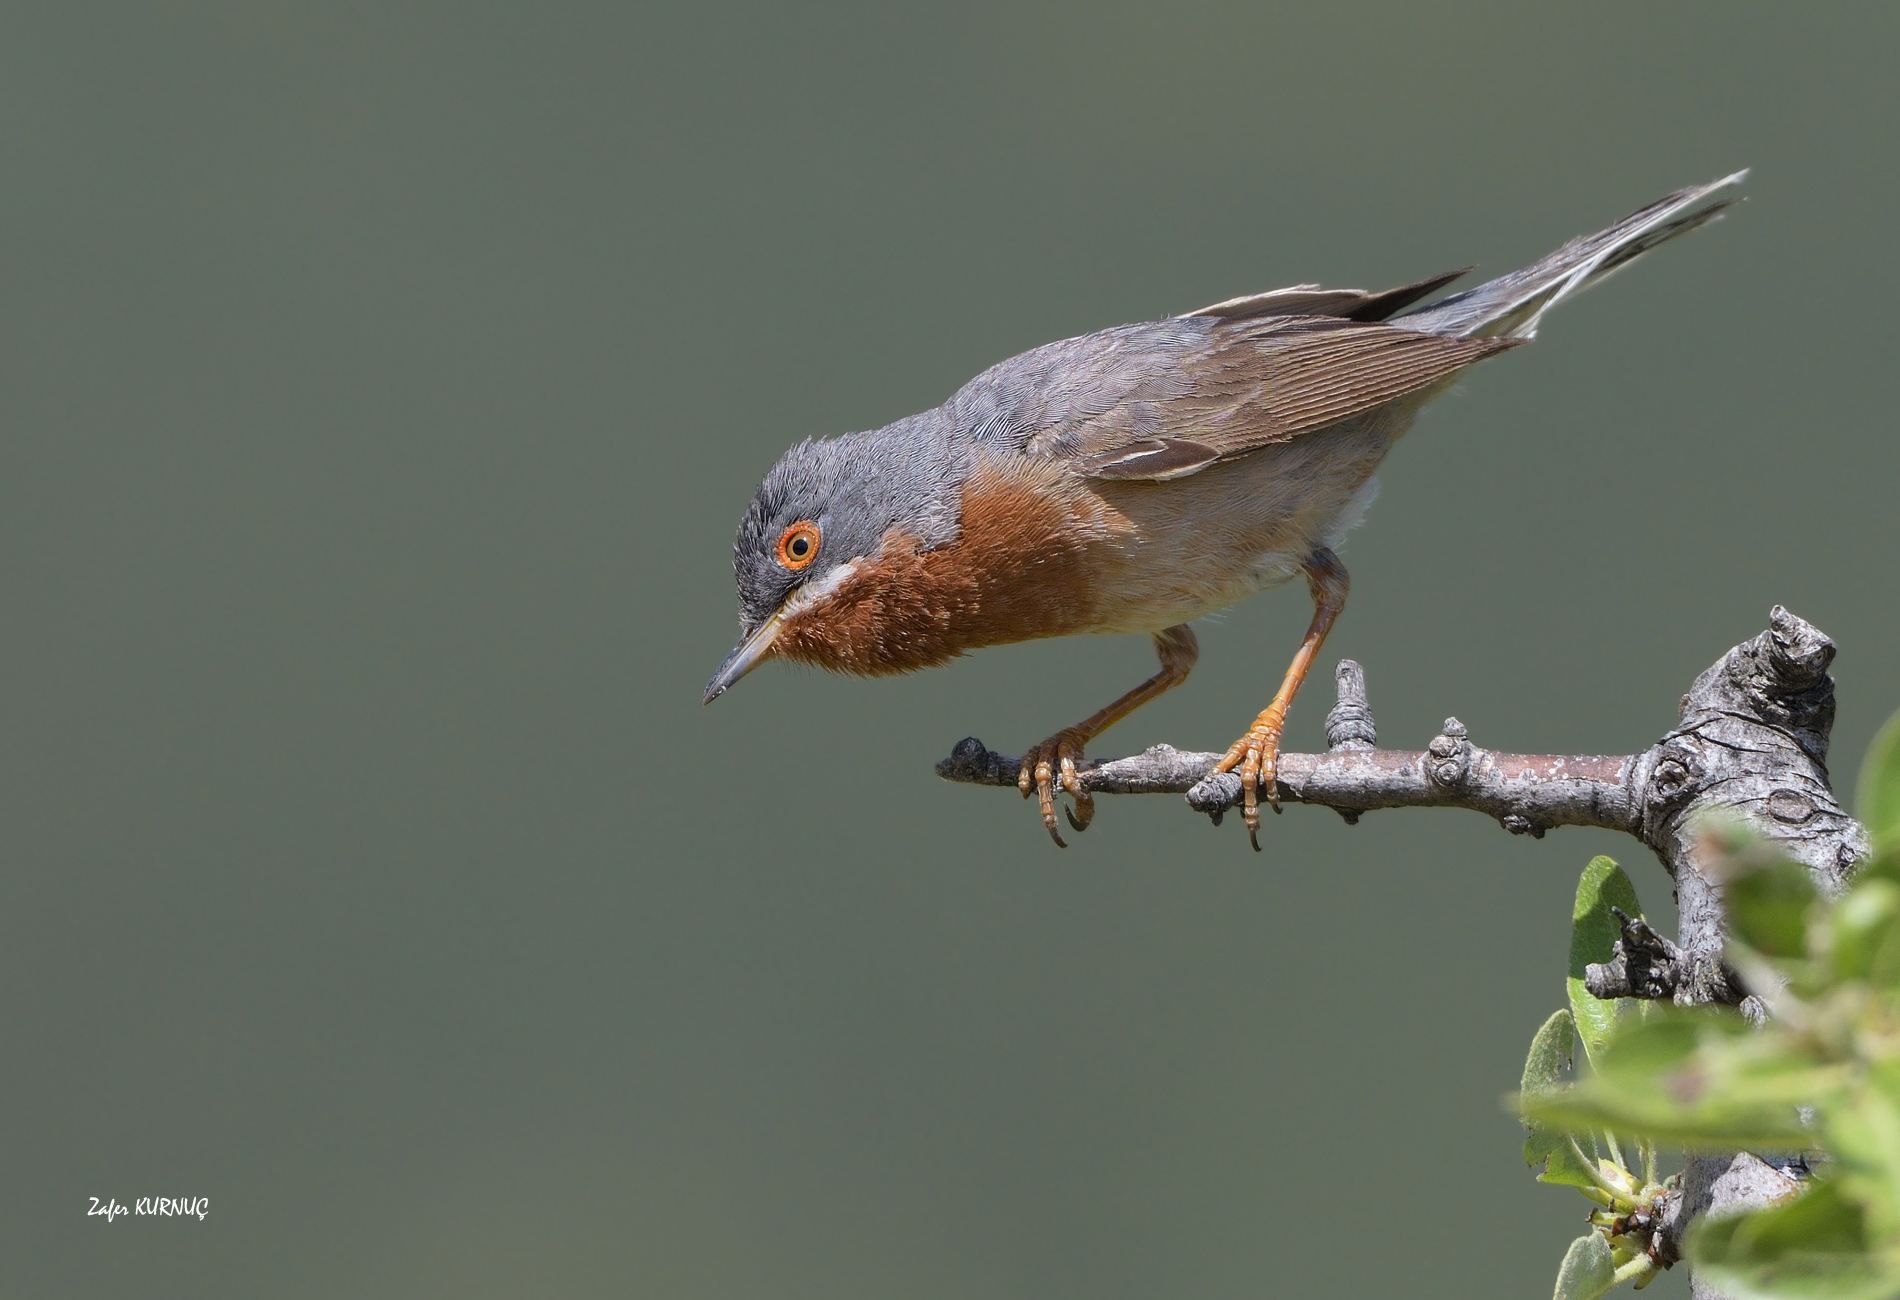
(1752, 743)
(1644, 964)
(1751, 747)
(1349, 726)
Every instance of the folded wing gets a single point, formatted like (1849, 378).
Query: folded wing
(1164, 400)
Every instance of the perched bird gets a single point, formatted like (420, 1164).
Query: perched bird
(1129, 481)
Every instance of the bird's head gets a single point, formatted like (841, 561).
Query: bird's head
(826, 508)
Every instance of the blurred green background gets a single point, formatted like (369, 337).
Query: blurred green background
(382, 384)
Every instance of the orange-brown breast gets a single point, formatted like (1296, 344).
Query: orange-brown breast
(1024, 565)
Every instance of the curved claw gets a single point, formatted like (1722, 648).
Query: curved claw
(1046, 794)
(1051, 766)
(1250, 795)
(1084, 811)
(1257, 755)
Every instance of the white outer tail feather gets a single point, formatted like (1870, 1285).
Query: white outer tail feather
(1513, 305)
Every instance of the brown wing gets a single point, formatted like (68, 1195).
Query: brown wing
(1167, 398)
(1308, 379)
(1250, 386)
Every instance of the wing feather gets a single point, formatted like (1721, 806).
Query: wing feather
(1153, 461)
(1311, 300)
(1261, 387)
(1320, 378)
(1169, 398)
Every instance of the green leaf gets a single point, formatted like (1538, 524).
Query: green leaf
(1587, 1271)
(1594, 931)
(1863, 1136)
(1699, 1077)
(1768, 908)
(1879, 801)
(1540, 1144)
(1544, 1073)
(1813, 1247)
(1561, 1165)
(1863, 932)
(1550, 1054)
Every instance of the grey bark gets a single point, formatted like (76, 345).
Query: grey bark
(1750, 745)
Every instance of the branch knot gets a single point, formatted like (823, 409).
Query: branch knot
(1450, 756)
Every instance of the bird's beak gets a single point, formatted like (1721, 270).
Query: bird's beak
(749, 654)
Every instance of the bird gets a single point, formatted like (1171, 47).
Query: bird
(1131, 481)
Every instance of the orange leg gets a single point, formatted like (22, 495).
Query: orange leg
(1055, 757)
(1256, 754)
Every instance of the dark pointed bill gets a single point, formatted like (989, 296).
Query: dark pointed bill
(746, 656)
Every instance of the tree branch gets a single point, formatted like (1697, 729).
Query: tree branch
(1527, 793)
(1750, 746)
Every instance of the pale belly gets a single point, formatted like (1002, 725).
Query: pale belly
(1181, 550)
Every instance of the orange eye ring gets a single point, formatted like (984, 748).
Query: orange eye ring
(798, 545)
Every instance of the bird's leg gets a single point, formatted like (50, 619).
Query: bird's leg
(1256, 754)
(1055, 758)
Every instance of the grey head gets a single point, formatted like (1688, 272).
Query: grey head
(827, 504)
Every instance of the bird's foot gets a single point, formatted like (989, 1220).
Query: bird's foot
(1050, 763)
(1257, 755)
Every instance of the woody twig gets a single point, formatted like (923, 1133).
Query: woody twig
(1750, 746)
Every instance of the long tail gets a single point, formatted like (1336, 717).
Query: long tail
(1511, 305)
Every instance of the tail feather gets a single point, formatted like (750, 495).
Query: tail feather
(1512, 305)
